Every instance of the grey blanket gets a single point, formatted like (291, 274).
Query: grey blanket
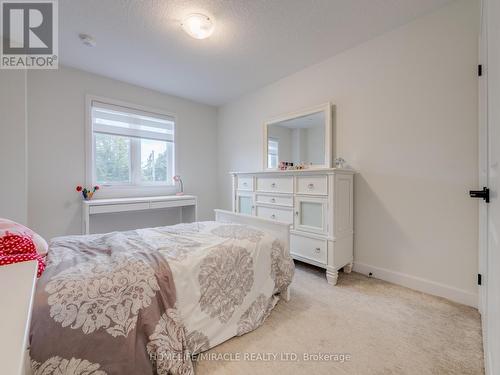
(106, 304)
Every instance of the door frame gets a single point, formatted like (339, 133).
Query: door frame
(483, 160)
(483, 134)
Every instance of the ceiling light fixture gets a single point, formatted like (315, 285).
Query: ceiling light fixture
(198, 25)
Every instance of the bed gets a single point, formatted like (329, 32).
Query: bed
(148, 301)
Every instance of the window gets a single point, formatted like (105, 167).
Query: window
(272, 153)
(131, 147)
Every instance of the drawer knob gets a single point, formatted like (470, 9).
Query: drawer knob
(245, 184)
(273, 200)
(296, 213)
(317, 250)
(273, 216)
(310, 186)
(273, 184)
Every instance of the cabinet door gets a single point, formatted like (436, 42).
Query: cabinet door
(245, 204)
(310, 214)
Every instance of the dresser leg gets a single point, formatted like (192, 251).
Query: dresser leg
(331, 277)
(348, 268)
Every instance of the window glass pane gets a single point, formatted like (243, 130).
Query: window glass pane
(156, 161)
(112, 159)
(272, 153)
(272, 161)
(132, 146)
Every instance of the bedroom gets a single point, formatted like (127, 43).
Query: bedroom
(405, 133)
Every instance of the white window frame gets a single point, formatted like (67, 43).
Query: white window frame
(125, 190)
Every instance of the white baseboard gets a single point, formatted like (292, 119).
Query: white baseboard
(420, 284)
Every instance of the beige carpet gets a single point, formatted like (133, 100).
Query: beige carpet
(386, 329)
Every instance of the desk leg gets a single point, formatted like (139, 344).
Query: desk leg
(85, 219)
(188, 214)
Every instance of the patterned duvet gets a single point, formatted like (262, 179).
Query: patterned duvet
(146, 301)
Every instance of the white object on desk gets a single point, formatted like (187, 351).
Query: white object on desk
(187, 203)
(16, 295)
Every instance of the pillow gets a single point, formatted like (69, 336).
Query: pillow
(9, 227)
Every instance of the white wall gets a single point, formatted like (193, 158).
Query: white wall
(299, 145)
(13, 157)
(407, 122)
(56, 109)
(315, 144)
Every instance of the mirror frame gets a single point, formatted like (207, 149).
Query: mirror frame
(327, 108)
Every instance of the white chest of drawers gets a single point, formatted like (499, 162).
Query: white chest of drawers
(318, 204)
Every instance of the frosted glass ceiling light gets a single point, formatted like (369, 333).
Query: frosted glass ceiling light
(199, 26)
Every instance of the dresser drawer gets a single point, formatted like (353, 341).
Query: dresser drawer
(283, 200)
(309, 248)
(317, 185)
(245, 183)
(275, 184)
(279, 214)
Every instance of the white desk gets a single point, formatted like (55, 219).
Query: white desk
(187, 203)
(16, 295)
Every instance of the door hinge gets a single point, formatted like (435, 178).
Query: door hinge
(479, 279)
(480, 70)
(484, 194)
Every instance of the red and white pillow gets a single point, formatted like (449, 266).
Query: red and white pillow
(12, 227)
(19, 244)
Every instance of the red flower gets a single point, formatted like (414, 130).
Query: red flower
(79, 188)
(96, 187)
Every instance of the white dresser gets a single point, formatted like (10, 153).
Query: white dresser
(317, 203)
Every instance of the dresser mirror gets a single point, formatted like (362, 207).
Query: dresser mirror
(299, 139)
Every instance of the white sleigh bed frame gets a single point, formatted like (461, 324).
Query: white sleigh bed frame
(279, 230)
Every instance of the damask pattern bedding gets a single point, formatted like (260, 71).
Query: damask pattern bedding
(145, 301)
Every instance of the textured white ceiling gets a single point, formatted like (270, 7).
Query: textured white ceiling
(255, 41)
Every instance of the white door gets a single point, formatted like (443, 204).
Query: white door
(483, 162)
(490, 148)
